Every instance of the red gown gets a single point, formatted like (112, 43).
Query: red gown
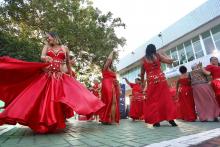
(40, 96)
(215, 72)
(109, 91)
(136, 106)
(159, 105)
(186, 101)
(173, 94)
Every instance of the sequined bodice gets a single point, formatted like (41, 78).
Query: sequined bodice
(154, 73)
(58, 59)
(59, 55)
(197, 77)
(185, 82)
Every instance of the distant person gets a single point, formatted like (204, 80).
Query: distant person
(185, 96)
(110, 93)
(96, 88)
(204, 96)
(214, 70)
(137, 100)
(71, 63)
(159, 105)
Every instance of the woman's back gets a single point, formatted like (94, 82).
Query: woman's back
(197, 77)
(153, 70)
(152, 66)
(184, 81)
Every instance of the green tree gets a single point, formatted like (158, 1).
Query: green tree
(87, 32)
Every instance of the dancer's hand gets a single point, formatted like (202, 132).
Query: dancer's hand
(71, 74)
(145, 96)
(48, 59)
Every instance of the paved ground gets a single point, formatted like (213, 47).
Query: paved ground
(81, 134)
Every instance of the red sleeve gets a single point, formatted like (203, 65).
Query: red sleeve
(209, 68)
(131, 85)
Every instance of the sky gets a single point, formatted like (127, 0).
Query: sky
(145, 18)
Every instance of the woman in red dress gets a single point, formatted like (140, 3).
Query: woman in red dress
(110, 93)
(137, 99)
(214, 71)
(40, 95)
(185, 97)
(96, 88)
(72, 63)
(159, 105)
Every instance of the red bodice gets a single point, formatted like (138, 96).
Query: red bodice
(136, 88)
(185, 85)
(154, 73)
(58, 59)
(108, 74)
(215, 71)
(185, 82)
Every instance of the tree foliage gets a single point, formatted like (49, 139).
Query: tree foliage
(87, 32)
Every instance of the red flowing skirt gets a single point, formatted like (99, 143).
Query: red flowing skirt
(186, 105)
(136, 107)
(159, 105)
(39, 100)
(109, 92)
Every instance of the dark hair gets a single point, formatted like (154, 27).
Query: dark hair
(55, 36)
(52, 34)
(138, 79)
(183, 69)
(212, 58)
(150, 51)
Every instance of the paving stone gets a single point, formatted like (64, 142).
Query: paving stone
(76, 142)
(27, 141)
(91, 142)
(3, 139)
(131, 143)
(12, 140)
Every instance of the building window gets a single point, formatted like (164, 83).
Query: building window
(168, 65)
(189, 51)
(182, 54)
(207, 39)
(197, 47)
(216, 36)
(174, 56)
(163, 66)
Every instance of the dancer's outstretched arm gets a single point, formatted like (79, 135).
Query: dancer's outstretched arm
(165, 59)
(109, 61)
(68, 60)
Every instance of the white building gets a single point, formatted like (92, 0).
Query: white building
(194, 38)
